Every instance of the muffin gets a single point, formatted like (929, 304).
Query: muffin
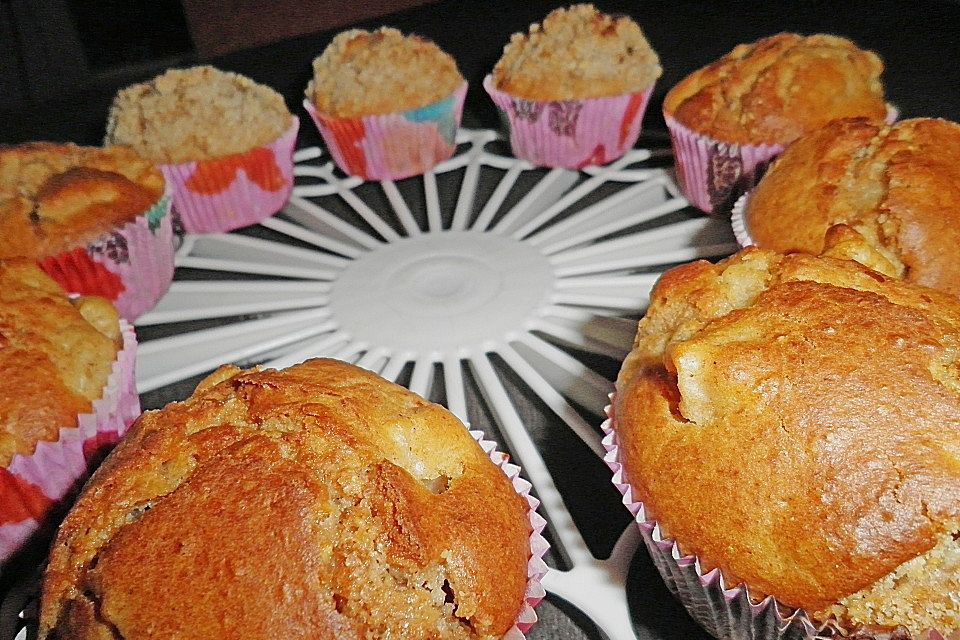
(729, 119)
(792, 422)
(898, 186)
(67, 365)
(574, 89)
(387, 105)
(223, 141)
(96, 219)
(316, 502)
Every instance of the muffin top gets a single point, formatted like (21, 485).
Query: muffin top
(316, 502)
(577, 53)
(196, 114)
(795, 421)
(55, 197)
(55, 356)
(775, 89)
(363, 73)
(898, 186)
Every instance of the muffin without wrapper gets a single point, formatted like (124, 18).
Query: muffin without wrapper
(68, 367)
(224, 142)
(96, 219)
(729, 119)
(320, 501)
(793, 423)
(387, 105)
(574, 90)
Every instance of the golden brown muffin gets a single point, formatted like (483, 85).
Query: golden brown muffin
(55, 356)
(196, 114)
(56, 197)
(898, 186)
(795, 421)
(776, 89)
(316, 502)
(363, 73)
(577, 53)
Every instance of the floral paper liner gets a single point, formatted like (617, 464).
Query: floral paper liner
(33, 485)
(132, 266)
(738, 220)
(229, 192)
(536, 568)
(571, 133)
(392, 146)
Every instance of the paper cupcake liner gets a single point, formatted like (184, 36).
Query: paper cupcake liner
(226, 193)
(536, 567)
(738, 221)
(392, 146)
(713, 174)
(33, 485)
(131, 266)
(571, 133)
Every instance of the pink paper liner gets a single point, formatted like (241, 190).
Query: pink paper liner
(236, 190)
(56, 468)
(536, 567)
(131, 266)
(571, 133)
(738, 221)
(392, 146)
(713, 174)
(724, 612)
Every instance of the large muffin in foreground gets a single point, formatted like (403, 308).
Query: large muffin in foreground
(316, 502)
(898, 186)
(729, 118)
(795, 422)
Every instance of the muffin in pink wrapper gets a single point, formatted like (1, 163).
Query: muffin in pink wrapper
(72, 363)
(387, 105)
(224, 142)
(573, 91)
(729, 119)
(774, 434)
(396, 145)
(378, 510)
(97, 220)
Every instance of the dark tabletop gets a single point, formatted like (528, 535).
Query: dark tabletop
(919, 42)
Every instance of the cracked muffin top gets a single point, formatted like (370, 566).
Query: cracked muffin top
(197, 113)
(363, 73)
(776, 89)
(577, 53)
(316, 502)
(897, 186)
(55, 356)
(795, 421)
(55, 197)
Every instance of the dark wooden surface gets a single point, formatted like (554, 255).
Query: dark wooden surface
(919, 41)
